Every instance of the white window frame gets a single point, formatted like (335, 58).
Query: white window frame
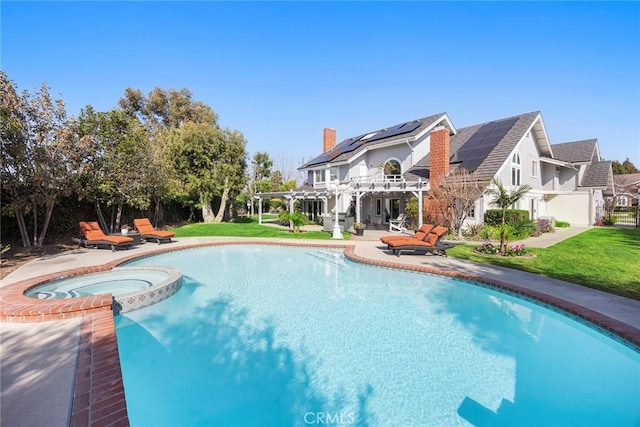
(516, 168)
(534, 169)
(319, 176)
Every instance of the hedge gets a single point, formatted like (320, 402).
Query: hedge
(512, 216)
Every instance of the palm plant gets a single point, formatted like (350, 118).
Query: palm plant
(503, 200)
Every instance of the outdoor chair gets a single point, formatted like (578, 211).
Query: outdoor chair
(432, 243)
(146, 230)
(94, 236)
(419, 235)
(398, 224)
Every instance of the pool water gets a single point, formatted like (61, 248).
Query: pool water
(117, 282)
(276, 336)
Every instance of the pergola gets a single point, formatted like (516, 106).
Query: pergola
(360, 189)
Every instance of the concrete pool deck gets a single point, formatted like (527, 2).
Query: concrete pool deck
(43, 372)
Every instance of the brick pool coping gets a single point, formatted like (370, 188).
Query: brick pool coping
(99, 397)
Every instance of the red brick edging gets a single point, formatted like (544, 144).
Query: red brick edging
(99, 397)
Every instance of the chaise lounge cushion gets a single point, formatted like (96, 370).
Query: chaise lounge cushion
(420, 235)
(146, 230)
(94, 235)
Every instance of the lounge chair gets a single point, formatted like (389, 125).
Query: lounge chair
(398, 224)
(432, 243)
(420, 234)
(146, 230)
(94, 236)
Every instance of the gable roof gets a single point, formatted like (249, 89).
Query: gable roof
(598, 174)
(627, 179)
(576, 151)
(481, 148)
(354, 145)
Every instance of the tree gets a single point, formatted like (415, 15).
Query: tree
(503, 200)
(160, 112)
(230, 167)
(39, 156)
(120, 169)
(261, 165)
(456, 195)
(624, 168)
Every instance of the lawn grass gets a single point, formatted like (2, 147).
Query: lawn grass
(607, 259)
(248, 227)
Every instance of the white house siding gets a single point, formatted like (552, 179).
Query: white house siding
(420, 149)
(528, 151)
(547, 173)
(377, 158)
(568, 179)
(563, 207)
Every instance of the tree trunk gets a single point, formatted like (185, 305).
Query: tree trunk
(101, 220)
(35, 222)
(24, 234)
(116, 226)
(50, 203)
(223, 201)
(207, 212)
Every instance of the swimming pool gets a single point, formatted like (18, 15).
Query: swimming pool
(265, 335)
(131, 287)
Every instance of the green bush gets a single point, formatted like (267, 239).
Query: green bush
(610, 219)
(512, 216)
(562, 224)
(297, 219)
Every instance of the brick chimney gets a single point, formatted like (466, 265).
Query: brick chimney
(439, 147)
(328, 139)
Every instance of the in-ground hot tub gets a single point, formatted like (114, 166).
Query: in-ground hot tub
(132, 287)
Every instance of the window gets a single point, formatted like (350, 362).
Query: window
(471, 213)
(378, 207)
(318, 177)
(333, 174)
(534, 169)
(515, 169)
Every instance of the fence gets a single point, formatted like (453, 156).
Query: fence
(627, 215)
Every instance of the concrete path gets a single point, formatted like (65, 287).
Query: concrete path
(38, 359)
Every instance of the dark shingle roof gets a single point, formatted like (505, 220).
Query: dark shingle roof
(576, 151)
(626, 179)
(343, 151)
(597, 174)
(494, 159)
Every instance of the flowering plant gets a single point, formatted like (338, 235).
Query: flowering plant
(516, 250)
(487, 248)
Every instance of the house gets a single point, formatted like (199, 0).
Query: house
(627, 189)
(380, 170)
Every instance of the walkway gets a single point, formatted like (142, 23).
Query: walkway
(33, 380)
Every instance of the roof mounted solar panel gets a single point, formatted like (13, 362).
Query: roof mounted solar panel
(397, 130)
(479, 145)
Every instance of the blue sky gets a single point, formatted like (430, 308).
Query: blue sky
(281, 72)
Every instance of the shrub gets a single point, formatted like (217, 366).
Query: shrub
(562, 224)
(610, 219)
(472, 230)
(512, 216)
(487, 248)
(516, 250)
(543, 226)
(297, 219)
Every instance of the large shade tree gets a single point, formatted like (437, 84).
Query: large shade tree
(39, 156)
(119, 170)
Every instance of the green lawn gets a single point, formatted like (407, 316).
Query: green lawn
(247, 227)
(601, 258)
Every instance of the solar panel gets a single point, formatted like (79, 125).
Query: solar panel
(354, 143)
(479, 145)
(396, 130)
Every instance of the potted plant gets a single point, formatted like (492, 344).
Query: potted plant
(359, 227)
